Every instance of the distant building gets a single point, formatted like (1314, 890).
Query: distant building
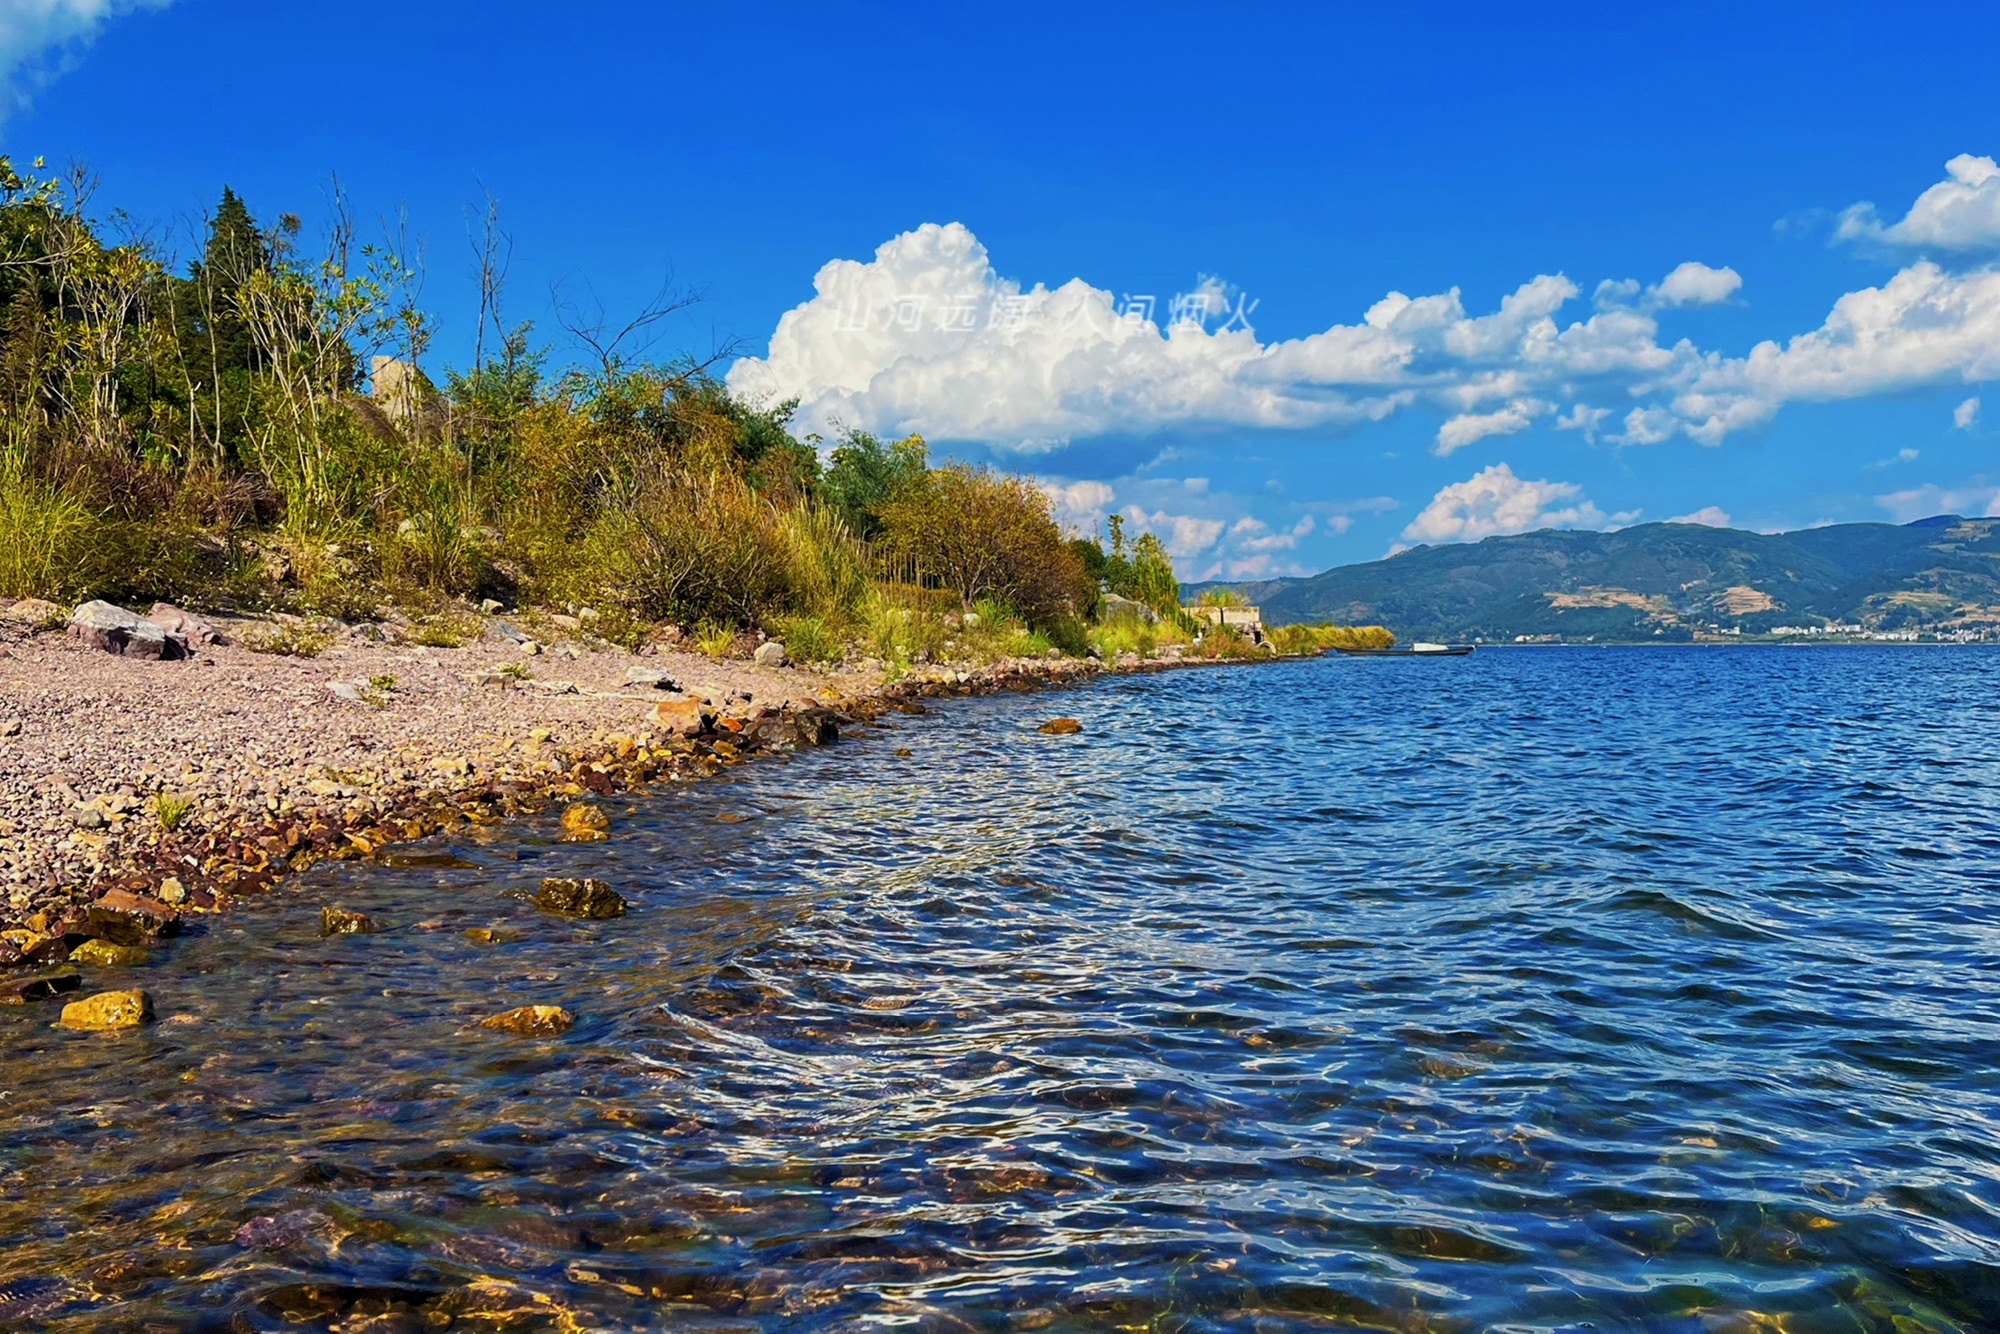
(1247, 621)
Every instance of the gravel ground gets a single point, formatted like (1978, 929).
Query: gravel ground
(262, 745)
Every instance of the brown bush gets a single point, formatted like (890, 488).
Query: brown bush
(986, 535)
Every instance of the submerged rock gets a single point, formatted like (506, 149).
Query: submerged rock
(1061, 727)
(492, 935)
(579, 898)
(585, 823)
(108, 1010)
(104, 954)
(22, 990)
(340, 922)
(532, 1021)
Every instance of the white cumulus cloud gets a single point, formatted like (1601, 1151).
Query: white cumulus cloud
(928, 336)
(1495, 503)
(1080, 507)
(1966, 415)
(1923, 327)
(1185, 536)
(1708, 516)
(38, 38)
(1693, 284)
(1961, 212)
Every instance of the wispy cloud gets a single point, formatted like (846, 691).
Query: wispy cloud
(39, 39)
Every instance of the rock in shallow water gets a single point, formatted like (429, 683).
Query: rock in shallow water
(340, 922)
(1061, 727)
(585, 823)
(579, 898)
(104, 954)
(532, 1021)
(22, 990)
(125, 918)
(108, 1010)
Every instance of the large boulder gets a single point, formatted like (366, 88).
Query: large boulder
(116, 630)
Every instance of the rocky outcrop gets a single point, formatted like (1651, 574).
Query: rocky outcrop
(108, 1010)
(591, 899)
(116, 630)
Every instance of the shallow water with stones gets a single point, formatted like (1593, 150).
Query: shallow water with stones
(1536, 990)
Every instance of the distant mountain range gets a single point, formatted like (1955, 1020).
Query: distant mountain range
(1662, 581)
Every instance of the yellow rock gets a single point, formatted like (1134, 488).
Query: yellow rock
(534, 1021)
(107, 955)
(1061, 727)
(585, 823)
(108, 1010)
(172, 890)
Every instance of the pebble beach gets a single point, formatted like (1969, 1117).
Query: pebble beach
(190, 780)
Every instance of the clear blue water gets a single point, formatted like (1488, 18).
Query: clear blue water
(1537, 990)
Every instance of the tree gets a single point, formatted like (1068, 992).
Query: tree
(1152, 580)
(866, 476)
(988, 536)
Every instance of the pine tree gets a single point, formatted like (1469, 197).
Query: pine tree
(214, 337)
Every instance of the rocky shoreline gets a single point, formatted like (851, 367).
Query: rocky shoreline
(139, 789)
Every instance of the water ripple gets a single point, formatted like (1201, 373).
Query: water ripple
(1530, 991)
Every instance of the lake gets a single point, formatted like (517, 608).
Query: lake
(1648, 989)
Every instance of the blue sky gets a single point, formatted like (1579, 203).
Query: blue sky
(1006, 186)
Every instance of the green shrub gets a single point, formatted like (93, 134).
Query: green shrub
(808, 639)
(171, 808)
(290, 639)
(714, 638)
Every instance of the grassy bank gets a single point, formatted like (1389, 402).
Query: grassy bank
(247, 429)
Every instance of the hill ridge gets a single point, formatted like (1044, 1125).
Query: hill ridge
(1664, 581)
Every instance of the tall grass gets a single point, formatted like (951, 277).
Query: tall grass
(50, 542)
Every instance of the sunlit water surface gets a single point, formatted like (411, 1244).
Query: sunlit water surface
(1536, 990)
